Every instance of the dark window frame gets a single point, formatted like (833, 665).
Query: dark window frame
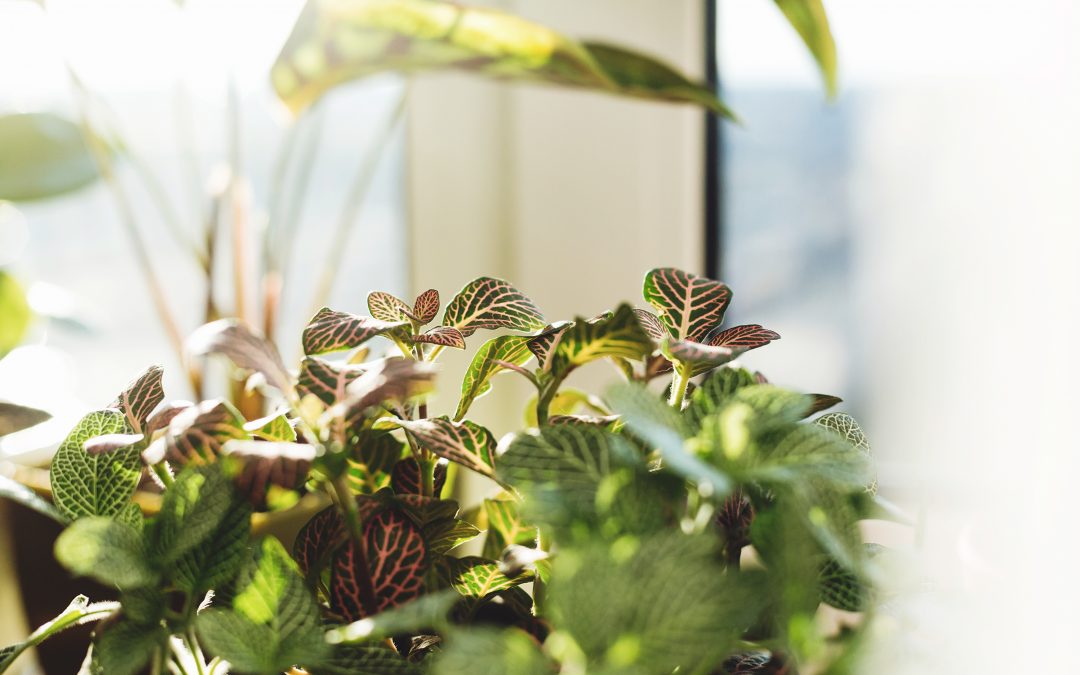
(713, 155)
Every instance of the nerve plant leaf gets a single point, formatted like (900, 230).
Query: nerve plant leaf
(191, 510)
(335, 42)
(689, 306)
(847, 428)
(263, 464)
(245, 348)
(484, 651)
(619, 336)
(696, 357)
(107, 550)
(78, 612)
(396, 557)
(275, 427)
(492, 303)
(429, 611)
(94, 485)
(488, 362)
(465, 443)
(750, 336)
(215, 562)
(17, 417)
(331, 331)
(198, 433)
(326, 381)
(475, 577)
(650, 323)
(543, 343)
(426, 307)
(505, 527)
(443, 336)
(140, 397)
(318, 538)
(392, 381)
(405, 478)
(273, 623)
(386, 307)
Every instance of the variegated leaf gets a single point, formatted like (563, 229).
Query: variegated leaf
(443, 336)
(392, 380)
(542, 345)
(396, 558)
(160, 420)
(406, 479)
(326, 381)
(110, 442)
(374, 456)
(426, 307)
(689, 306)
(386, 307)
(487, 363)
(699, 358)
(245, 348)
(262, 464)
(603, 422)
(845, 426)
(448, 533)
(476, 577)
(756, 663)
(331, 331)
(505, 527)
(198, 433)
(275, 427)
(747, 337)
(335, 42)
(650, 323)
(318, 538)
(492, 303)
(140, 397)
(466, 443)
(619, 335)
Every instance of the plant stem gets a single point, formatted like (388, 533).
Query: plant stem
(543, 402)
(679, 382)
(161, 470)
(427, 476)
(196, 652)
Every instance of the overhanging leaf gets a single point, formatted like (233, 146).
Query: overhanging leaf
(619, 336)
(491, 303)
(94, 485)
(331, 331)
(390, 381)
(192, 508)
(257, 466)
(505, 527)
(335, 42)
(17, 417)
(475, 577)
(140, 397)
(465, 443)
(42, 155)
(443, 336)
(810, 21)
(446, 534)
(327, 381)
(14, 308)
(107, 550)
(199, 433)
(406, 478)
(245, 348)
(483, 651)
(274, 427)
(690, 306)
(487, 363)
(216, 561)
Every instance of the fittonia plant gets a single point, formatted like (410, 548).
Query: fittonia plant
(616, 538)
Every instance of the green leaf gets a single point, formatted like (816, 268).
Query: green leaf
(505, 527)
(94, 485)
(199, 433)
(475, 577)
(17, 417)
(810, 21)
(843, 589)
(366, 660)
(465, 443)
(20, 494)
(13, 305)
(492, 303)
(808, 452)
(80, 611)
(192, 509)
(125, 648)
(273, 623)
(487, 363)
(326, 381)
(690, 306)
(41, 156)
(714, 392)
(274, 428)
(216, 560)
(427, 611)
(245, 348)
(331, 331)
(484, 651)
(109, 551)
(618, 335)
(334, 43)
(446, 534)
(655, 603)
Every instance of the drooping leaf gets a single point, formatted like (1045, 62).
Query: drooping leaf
(94, 485)
(17, 417)
(20, 494)
(505, 527)
(386, 307)
(426, 307)
(107, 550)
(140, 397)
(246, 349)
(42, 155)
(484, 651)
(127, 647)
(217, 560)
(396, 557)
(260, 465)
(273, 623)
(336, 42)
(191, 510)
(406, 477)
(650, 323)
(326, 381)
(698, 358)
(810, 21)
(428, 611)
(448, 533)
(619, 336)
(492, 303)
(78, 612)
(13, 305)
(465, 443)
(375, 455)
(475, 577)
(275, 427)
(750, 336)
(392, 380)
(690, 306)
(487, 363)
(198, 434)
(443, 336)
(331, 331)
(542, 345)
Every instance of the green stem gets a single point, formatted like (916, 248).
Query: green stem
(196, 652)
(161, 470)
(427, 476)
(543, 401)
(679, 382)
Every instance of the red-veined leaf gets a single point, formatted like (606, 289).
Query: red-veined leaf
(199, 433)
(650, 323)
(326, 381)
(331, 331)
(492, 303)
(543, 343)
(750, 336)
(444, 336)
(405, 478)
(266, 463)
(699, 358)
(110, 442)
(165, 414)
(491, 359)
(466, 443)
(245, 348)
(390, 380)
(605, 421)
(426, 307)
(689, 306)
(386, 307)
(140, 397)
(318, 538)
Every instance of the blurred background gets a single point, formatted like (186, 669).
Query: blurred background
(913, 240)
